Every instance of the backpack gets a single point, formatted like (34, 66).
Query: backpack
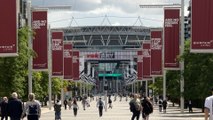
(110, 101)
(132, 107)
(57, 108)
(147, 107)
(100, 104)
(160, 102)
(33, 109)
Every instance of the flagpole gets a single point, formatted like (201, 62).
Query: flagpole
(182, 62)
(30, 46)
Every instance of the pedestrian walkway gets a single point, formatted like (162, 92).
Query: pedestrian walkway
(120, 111)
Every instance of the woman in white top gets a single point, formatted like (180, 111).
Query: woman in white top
(75, 107)
(209, 107)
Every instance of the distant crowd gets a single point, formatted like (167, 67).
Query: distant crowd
(139, 105)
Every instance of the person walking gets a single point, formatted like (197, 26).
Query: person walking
(190, 106)
(164, 106)
(209, 107)
(147, 108)
(110, 102)
(69, 102)
(135, 107)
(100, 105)
(15, 108)
(4, 108)
(32, 108)
(65, 104)
(57, 109)
(75, 107)
(84, 102)
(160, 104)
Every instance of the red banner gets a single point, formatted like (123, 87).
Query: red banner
(202, 26)
(140, 65)
(156, 52)
(76, 65)
(40, 41)
(57, 53)
(171, 37)
(8, 29)
(146, 60)
(68, 61)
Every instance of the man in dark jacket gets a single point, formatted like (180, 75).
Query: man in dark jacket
(147, 108)
(100, 105)
(15, 108)
(4, 108)
(135, 107)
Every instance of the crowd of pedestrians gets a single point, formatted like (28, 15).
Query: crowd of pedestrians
(14, 109)
(140, 105)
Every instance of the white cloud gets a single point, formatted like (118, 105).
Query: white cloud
(116, 24)
(106, 10)
(92, 12)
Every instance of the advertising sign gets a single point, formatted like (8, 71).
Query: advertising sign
(57, 54)
(68, 67)
(76, 65)
(146, 60)
(171, 37)
(202, 26)
(40, 41)
(9, 28)
(156, 52)
(140, 64)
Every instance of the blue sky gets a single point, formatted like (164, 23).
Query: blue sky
(105, 12)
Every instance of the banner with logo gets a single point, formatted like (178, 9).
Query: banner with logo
(8, 28)
(202, 26)
(57, 53)
(156, 52)
(146, 60)
(140, 64)
(40, 41)
(171, 37)
(68, 67)
(76, 65)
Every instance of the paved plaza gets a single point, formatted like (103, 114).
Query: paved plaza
(120, 111)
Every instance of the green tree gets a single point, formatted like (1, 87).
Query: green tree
(197, 74)
(14, 69)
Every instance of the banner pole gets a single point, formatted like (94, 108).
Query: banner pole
(153, 96)
(182, 62)
(62, 90)
(164, 84)
(30, 46)
(147, 88)
(50, 68)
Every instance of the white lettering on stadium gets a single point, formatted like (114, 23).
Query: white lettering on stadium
(107, 55)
